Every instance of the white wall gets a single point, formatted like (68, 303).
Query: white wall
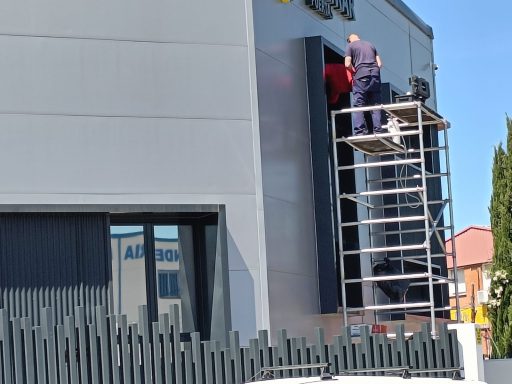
(136, 103)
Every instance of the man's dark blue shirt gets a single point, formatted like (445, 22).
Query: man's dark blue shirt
(363, 55)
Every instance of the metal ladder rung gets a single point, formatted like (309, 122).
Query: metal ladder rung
(433, 202)
(379, 164)
(413, 177)
(404, 231)
(407, 311)
(358, 139)
(383, 221)
(385, 307)
(389, 278)
(437, 282)
(382, 192)
(386, 249)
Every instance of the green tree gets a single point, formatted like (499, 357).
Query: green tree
(500, 303)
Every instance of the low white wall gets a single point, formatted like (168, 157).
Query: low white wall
(497, 371)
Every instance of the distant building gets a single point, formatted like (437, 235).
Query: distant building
(474, 248)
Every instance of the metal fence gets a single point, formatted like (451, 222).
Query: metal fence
(113, 351)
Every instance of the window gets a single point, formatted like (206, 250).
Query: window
(168, 286)
(172, 259)
(461, 282)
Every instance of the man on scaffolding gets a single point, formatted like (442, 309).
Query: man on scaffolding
(362, 58)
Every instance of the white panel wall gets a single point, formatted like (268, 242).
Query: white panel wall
(136, 103)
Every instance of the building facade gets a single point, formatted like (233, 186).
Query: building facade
(184, 131)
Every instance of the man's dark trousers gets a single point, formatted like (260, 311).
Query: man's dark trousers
(366, 91)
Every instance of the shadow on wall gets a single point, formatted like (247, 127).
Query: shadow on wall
(242, 293)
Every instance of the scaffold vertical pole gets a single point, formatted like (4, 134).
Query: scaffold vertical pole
(426, 223)
(338, 221)
(450, 210)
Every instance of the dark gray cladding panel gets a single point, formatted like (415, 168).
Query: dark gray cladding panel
(54, 260)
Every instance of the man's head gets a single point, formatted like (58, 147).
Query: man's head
(352, 37)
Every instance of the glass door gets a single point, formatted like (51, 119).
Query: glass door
(175, 272)
(128, 269)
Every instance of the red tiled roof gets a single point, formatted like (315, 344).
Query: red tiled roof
(473, 245)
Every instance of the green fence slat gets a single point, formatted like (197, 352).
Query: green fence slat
(174, 318)
(320, 344)
(126, 361)
(94, 354)
(246, 361)
(61, 355)
(82, 343)
(366, 347)
(454, 348)
(217, 359)
(47, 326)
(446, 359)
(208, 362)
(18, 350)
(294, 353)
(102, 333)
(26, 325)
(438, 355)
(146, 349)
(349, 350)
(411, 347)
(401, 347)
(135, 352)
(234, 346)
(331, 357)
(40, 353)
(386, 351)
(376, 350)
(275, 361)
(157, 358)
(228, 370)
(337, 364)
(302, 350)
(359, 356)
(425, 329)
(69, 330)
(166, 335)
(195, 338)
(115, 349)
(263, 343)
(254, 351)
(283, 350)
(189, 366)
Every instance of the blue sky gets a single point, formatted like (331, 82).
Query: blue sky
(473, 48)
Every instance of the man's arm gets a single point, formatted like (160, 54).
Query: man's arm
(379, 61)
(348, 62)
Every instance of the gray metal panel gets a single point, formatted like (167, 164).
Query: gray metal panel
(218, 22)
(107, 78)
(413, 17)
(291, 243)
(126, 155)
(49, 253)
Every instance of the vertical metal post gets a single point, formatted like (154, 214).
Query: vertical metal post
(338, 220)
(426, 221)
(454, 254)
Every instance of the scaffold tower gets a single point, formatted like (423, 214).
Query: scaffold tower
(405, 211)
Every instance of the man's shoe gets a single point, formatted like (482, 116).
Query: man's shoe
(379, 131)
(362, 133)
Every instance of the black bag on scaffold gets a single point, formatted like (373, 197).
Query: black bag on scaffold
(394, 289)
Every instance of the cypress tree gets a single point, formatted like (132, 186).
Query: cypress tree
(500, 295)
